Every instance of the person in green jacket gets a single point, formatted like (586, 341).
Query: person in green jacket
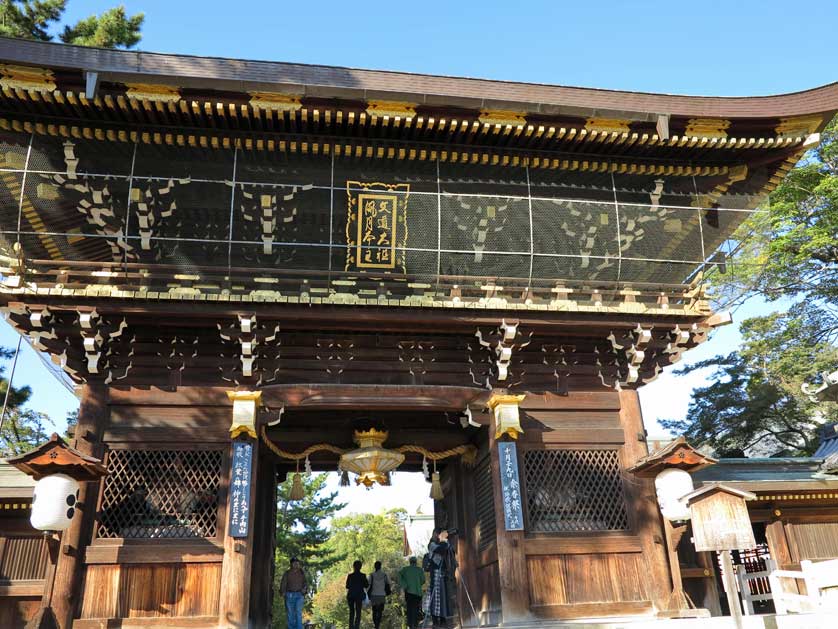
(412, 578)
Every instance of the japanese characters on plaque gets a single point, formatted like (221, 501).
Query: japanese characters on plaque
(510, 486)
(240, 477)
(376, 226)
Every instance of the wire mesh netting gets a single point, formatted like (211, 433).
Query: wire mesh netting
(160, 494)
(574, 491)
(84, 200)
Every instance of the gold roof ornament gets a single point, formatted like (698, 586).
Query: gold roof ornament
(502, 118)
(370, 461)
(245, 404)
(507, 418)
(707, 128)
(26, 78)
(607, 125)
(798, 126)
(270, 101)
(391, 109)
(153, 92)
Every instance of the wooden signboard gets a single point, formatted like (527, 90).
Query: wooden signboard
(510, 486)
(241, 475)
(720, 518)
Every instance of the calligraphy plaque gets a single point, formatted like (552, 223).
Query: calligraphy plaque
(376, 226)
(239, 496)
(510, 486)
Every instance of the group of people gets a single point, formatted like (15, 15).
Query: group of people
(439, 599)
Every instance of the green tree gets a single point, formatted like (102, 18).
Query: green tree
(369, 538)
(791, 248)
(33, 19)
(23, 428)
(755, 403)
(301, 533)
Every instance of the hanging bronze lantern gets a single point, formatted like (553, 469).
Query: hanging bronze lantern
(370, 461)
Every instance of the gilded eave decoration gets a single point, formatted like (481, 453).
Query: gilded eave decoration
(26, 78)
(154, 93)
(269, 101)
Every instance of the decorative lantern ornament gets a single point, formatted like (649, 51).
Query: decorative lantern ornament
(54, 503)
(58, 470)
(370, 461)
(671, 485)
(507, 419)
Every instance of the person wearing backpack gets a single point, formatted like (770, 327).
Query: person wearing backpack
(379, 591)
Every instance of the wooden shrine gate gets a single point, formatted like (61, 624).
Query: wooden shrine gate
(591, 545)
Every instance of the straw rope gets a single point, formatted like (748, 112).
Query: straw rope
(468, 452)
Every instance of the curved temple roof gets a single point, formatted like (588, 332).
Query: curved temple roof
(499, 187)
(351, 83)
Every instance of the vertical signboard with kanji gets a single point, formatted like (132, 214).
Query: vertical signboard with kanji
(240, 478)
(510, 486)
(376, 226)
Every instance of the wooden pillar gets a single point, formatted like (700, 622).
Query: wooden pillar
(234, 602)
(66, 589)
(512, 560)
(643, 504)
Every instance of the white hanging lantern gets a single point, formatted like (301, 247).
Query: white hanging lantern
(671, 485)
(54, 502)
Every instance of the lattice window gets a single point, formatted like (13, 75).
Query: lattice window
(484, 501)
(574, 491)
(160, 494)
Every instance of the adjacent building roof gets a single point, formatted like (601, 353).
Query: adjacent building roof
(769, 474)
(13, 482)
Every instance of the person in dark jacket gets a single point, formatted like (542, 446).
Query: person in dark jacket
(356, 589)
(442, 589)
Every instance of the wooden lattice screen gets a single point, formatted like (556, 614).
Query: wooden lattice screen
(160, 494)
(574, 491)
(484, 503)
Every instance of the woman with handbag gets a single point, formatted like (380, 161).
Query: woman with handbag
(379, 591)
(356, 592)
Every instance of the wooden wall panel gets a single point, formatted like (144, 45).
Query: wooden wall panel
(814, 540)
(16, 612)
(487, 601)
(593, 578)
(151, 590)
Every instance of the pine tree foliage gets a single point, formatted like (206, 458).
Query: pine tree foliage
(370, 538)
(790, 247)
(34, 19)
(754, 403)
(301, 532)
(23, 428)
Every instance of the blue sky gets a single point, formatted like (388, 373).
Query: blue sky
(707, 48)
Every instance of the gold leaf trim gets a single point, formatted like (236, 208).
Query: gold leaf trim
(607, 125)
(153, 92)
(798, 126)
(270, 101)
(391, 109)
(502, 117)
(707, 127)
(26, 78)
